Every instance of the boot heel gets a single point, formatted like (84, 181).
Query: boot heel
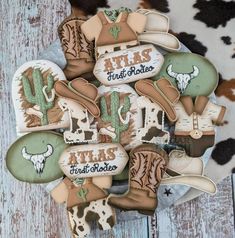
(146, 212)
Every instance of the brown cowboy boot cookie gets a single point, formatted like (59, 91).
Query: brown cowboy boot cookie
(147, 167)
(77, 49)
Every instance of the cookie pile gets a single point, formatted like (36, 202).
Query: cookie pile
(120, 99)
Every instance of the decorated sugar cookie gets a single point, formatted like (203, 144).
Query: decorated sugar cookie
(153, 128)
(79, 97)
(125, 66)
(156, 31)
(192, 74)
(120, 117)
(34, 157)
(160, 92)
(114, 29)
(98, 211)
(194, 128)
(35, 102)
(93, 160)
(85, 203)
(188, 171)
(148, 164)
(78, 51)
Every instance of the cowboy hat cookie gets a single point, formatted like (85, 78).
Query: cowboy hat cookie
(125, 66)
(192, 74)
(156, 31)
(161, 92)
(35, 102)
(113, 29)
(79, 97)
(120, 116)
(196, 120)
(186, 170)
(33, 158)
(93, 160)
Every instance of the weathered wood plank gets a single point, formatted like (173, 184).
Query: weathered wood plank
(27, 27)
(205, 216)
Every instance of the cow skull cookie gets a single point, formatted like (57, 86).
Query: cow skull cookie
(35, 102)
(192, 74)
(34, 157)
(79, 97)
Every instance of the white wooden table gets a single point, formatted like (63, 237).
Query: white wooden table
(26, 211)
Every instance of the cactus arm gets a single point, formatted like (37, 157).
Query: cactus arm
(127, 105)
(50, 83)
(104, 110)
(28, 91)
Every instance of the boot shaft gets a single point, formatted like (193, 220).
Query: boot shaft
(148, 164)
(74, 43)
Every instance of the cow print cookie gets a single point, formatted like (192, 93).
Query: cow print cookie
(153, 130)
(85, 203)
(192, 74)
(80, 217)
(35, 102)
(78, 97)
(120, 116)
(34, 157)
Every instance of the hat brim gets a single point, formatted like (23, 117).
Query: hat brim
(147, 89)
(62, 90)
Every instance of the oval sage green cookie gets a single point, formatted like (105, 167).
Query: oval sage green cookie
(192, 74)
(34, 157)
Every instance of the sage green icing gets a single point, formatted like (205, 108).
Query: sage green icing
(36, 143)
(113, 117)
(206, 81)
(82, 193)
(36, 96)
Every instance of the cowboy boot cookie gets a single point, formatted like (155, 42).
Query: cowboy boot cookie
(147, 167)
(77, 49)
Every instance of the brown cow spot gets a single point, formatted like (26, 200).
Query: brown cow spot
(153, 132)
(226, 88)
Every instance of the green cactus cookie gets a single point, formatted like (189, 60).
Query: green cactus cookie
(37, 95)
(113, 117)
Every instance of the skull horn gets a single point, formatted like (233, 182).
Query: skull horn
(49, 151)
(195, 72)
(170, 71)
(25, 154)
